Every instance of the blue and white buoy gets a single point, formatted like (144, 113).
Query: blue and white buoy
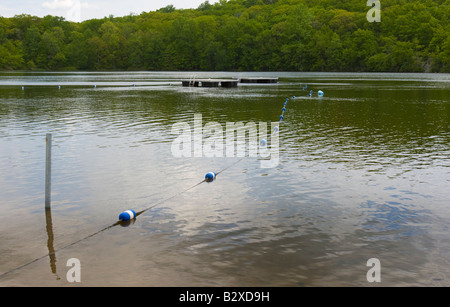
(210, 177)
(281, 117)
(283, 109)
(263, 143)
(319, 93)
(127, 215)
(275, 129)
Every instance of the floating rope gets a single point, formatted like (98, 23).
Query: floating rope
(132, 214)
(120, 222)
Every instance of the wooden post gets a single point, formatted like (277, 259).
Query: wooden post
(48, 170)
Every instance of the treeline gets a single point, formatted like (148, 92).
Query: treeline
(239, 35)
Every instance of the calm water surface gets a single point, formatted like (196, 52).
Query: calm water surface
(364, 173)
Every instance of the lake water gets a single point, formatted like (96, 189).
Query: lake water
(363, 172)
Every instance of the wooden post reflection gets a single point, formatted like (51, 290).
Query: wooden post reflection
(51, 249)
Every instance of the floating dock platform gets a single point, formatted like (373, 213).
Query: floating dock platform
(258, 80)
(210, 82)
(226, 82)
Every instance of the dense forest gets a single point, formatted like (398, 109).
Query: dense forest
(239, 35)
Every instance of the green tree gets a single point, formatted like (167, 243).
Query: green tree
(443, 58)
(51, 49)
(77, 51)
(180, 51)
(31, 46)
(112, 52)
(239, 35)
(325, 50)
(360, 46)
(11, 56)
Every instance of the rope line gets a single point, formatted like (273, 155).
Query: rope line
(137, 213)
(184, 191)
(113, 225)
(62, 248)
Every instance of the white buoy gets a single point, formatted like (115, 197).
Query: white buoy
(320, 93)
